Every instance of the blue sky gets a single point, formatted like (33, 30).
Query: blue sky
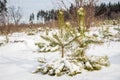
(29, 6)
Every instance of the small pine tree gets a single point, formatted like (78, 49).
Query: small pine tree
(77, 41)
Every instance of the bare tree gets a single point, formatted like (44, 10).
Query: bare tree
(15, 14)
(88, 5)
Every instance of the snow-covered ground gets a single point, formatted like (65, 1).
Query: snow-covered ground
(18, 59)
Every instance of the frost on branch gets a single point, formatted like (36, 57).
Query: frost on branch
(71, 65)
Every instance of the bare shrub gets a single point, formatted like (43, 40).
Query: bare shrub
(88, 5)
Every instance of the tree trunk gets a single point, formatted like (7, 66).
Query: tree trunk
(62, 51)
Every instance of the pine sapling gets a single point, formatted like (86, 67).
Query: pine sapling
(76, 41)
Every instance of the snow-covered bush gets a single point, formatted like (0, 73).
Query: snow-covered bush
(109, 33)
(3, 40)
(118, 33)
(75, 41)
(106, 34)
(1, 43)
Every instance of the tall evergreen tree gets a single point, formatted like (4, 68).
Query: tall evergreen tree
(31, 19)
(3, 11)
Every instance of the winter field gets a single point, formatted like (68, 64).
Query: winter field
(18, 59)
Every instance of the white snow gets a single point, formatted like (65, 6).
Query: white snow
(18, 60)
